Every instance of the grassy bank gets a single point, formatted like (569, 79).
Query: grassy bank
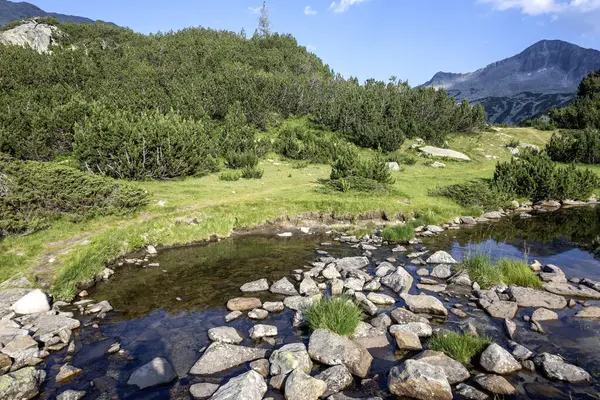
(68, 253)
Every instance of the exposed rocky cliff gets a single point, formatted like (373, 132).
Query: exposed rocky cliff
(31, 34)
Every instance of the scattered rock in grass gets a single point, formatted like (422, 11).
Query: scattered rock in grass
(444, 153)
(157, 372)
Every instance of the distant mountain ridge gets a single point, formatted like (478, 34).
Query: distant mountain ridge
(12, 11)
(543, 76)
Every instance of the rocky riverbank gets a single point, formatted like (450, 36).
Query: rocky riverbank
(404, 303)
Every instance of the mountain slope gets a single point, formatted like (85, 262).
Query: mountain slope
(543, 76)
(11, 11)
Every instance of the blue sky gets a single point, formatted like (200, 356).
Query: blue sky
(410, 39)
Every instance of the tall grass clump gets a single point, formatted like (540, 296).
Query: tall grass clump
(398, 233)
(480, 269)
(516, 272)
(252, 173)
(338, 314)
(230, 176)
(459, 346)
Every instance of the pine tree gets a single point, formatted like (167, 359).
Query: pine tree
(264, 23)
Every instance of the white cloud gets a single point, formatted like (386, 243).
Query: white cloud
(344, 5)
(308, 10)
(539, 7)
(254, 10)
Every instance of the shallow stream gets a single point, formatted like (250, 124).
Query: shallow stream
(166, 311)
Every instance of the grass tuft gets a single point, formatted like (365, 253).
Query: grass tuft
(229, 176)
(252, 173)
(481, 270)
(338, 314)
(459, 346)
(398, 233)
(516, 272)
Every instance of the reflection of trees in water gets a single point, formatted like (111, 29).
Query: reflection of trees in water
(563, 229)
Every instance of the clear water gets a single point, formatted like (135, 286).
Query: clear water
(168, 313)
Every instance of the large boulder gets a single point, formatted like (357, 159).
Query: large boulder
(248, 386)
(495, 384)
(443, 153)
(419, 380)
(337, 378)
(222, 356)
(260, 285)
(23, 384)
(350, 263)
(528, 297)
(441, 257)
(31, 34)
(290, 357)
(225, 334)
(301, 386)
(455, 371)
(157, 372)
(330, 348)
(555, 367)
(284, 287)
(32, 303)
(499, 360)
(400, 281)
(424, 304)
(565, 289)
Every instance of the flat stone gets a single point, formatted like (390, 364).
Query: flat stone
(33, 302)
(424, 304)
(273, 306)
(470, 393)
(501, 309)
(243, 304)
(495, 384)
(71, 395)
(260, 285)
(258, 314)
(381, 299)
(225, 334)
(441, 257)
(248, 386)
(431, 288)
(233, 315)
(555, 367)
(565, 289)
(589, 312)
(498, 360)
(203, 390)
(419, 380)
(260, 331)
(404, 316)
(543, 314)
(332, 349)
(222, 356)
(455, 371)
(407, 341)
(23, 384)
(459, 313)
(284, 287)
(532, 298)
(420, 329)
(444, 153)
(300, 303)
(350, 263)
(301, 386)
(67, 372)
(289, 358)
(337, 378)
(23, 346)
